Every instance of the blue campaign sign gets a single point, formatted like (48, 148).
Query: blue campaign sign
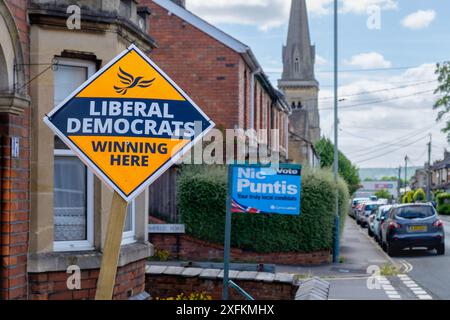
(262, 189)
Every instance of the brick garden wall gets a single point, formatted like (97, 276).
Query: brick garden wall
(161, 285)
(191, 249)
(130, 281)
(15, 177)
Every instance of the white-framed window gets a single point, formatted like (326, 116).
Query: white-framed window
(129, 231)
(73, 203)
(73, 200)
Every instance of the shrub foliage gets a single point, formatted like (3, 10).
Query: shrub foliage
(202, 196)
(443, 203)
(419, 195)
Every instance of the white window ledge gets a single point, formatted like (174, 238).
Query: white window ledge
(86, 260)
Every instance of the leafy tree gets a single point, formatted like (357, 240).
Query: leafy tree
(443, 203)
(369, 179)
(419, 195)
(408, 197)
(389, 178)
(383, 194)
(347, 170)
(443, 103)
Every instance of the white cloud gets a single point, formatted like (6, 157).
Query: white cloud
(381, 116)
(419, 19)
(264, 14)
(320, 61)
(361, 6)
(368, 61)
(267, 14)
(319, 7)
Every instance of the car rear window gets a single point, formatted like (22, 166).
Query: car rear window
(414, 212)
(371, 207)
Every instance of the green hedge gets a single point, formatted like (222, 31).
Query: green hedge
(443, 203)
(201, 199)
(419, 195)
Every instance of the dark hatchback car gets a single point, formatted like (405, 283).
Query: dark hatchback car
(412, 226)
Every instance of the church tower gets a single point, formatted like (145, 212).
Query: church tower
(300, 86)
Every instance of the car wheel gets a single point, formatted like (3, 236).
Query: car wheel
(390, 251)
(441, 250)
(357, 222)
(370, 232)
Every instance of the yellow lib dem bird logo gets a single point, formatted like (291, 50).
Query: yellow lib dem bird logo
(130, 82)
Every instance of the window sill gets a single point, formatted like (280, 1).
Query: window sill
(86, 260)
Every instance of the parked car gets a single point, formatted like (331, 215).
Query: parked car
(371, 222)
(413, 226)
(355, 203)
(378, 220)
(362, 217)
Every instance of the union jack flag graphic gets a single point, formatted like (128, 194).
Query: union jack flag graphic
(238, 208)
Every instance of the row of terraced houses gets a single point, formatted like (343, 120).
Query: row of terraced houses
(53, 209)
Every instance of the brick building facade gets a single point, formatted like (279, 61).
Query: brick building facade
(218, 72)
(44, 228)
(14, 169)
(41, 62)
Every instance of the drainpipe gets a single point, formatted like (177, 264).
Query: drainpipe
(252, 97)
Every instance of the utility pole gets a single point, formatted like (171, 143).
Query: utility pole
(429, 170)
(406, 172)
(336, 248)
(399, 182)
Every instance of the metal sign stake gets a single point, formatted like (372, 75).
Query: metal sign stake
(111, 252)
(226, 249)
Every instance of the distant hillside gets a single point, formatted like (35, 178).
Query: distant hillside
(378, 173)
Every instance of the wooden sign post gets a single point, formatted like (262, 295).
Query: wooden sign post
(111, 252)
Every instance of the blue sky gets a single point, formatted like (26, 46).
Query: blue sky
(413, 36)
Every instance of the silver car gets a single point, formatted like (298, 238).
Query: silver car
(379, 218)
(362, 217)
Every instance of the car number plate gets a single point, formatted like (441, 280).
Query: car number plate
(417, 228)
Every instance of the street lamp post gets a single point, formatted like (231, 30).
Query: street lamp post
(336, 132)
(406, 172)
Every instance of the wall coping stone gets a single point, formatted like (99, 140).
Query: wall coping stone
(173, 271)
(284, 277)
(247, 275)
(232, 274)
(191, 272)
(155, 269)
(265, 276)
(208, 273)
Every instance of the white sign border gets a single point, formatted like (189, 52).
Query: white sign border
(91, 165)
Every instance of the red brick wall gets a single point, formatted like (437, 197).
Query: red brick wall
(18, 9)
(189, 248)
(197, 250)
(204, 68)
(15, 177)
(167, 286)
(130, 281)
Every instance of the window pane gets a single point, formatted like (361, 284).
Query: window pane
(69, 201)
(67, 79)
(129, 219)
(60, 145)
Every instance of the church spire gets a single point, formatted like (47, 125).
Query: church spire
(298, 54)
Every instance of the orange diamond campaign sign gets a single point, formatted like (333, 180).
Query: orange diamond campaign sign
(129, 123)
